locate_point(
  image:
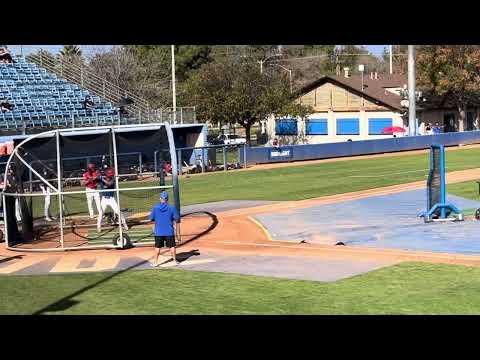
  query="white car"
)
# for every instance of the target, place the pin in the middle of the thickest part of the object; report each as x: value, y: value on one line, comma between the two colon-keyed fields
x: 232, y: 139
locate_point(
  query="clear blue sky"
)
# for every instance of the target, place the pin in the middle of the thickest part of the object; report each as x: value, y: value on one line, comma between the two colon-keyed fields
x: 87, y: 50
x: 27, y: 49
x: 376, y: 49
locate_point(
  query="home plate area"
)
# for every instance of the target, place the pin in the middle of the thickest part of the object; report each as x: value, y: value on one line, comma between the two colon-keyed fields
x: 291, y: 267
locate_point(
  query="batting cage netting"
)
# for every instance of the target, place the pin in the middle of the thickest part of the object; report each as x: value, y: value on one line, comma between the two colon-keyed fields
x: 437, y: 206
x: 434, y: 185
x: 87, y: 188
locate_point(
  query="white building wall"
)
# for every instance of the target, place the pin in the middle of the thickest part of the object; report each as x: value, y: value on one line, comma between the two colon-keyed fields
x: 332, y: 127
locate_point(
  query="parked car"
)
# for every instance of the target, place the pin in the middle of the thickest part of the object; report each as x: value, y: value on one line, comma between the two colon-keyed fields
x: 231, y: 139
x: 214, y: 140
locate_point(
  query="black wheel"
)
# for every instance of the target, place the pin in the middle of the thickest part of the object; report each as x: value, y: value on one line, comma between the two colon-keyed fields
x: 124, y: 242
x: 477, y: 214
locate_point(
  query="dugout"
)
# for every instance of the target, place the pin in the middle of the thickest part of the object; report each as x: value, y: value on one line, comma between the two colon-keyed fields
x: 191, y: 137
x: 45, y: 204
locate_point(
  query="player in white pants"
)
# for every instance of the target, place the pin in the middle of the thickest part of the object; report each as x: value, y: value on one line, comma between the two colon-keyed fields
x: 108, y: 199
x: 47, y: 200
x: 9, y: 185
x: 18, y: 214
x: 90, y: 181
x: 46, y: 209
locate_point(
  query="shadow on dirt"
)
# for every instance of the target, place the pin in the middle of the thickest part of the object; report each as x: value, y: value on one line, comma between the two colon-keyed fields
x: 10, y: 258
x: 212, y: 226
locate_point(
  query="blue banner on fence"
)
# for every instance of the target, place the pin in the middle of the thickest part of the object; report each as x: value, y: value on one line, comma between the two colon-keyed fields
x: 280, y: 153
x: 259, y: 155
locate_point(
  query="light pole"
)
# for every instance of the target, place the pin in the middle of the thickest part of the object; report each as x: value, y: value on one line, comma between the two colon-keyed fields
x: 391, y: 60
x: 174, y: 94
x: 361, y: 68
x: 289, y: 74
x: 405, y: 103
x: 411, y: 91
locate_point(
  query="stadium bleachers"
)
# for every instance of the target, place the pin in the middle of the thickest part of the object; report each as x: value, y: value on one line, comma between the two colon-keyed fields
x: 44, y: 101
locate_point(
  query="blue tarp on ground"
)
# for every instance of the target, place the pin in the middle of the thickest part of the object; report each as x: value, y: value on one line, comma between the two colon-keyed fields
x: 388, y: 221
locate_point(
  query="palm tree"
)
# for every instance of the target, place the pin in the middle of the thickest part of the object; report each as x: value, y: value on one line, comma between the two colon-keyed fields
x: 71, y: 51
x: 71, y: 54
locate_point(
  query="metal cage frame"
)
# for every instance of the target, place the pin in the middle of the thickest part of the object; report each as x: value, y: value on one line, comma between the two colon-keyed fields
x: 58, y: 189
x: 443, y: 208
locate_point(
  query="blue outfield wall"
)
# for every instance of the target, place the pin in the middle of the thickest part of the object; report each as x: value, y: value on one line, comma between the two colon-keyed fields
x: 261, y: 155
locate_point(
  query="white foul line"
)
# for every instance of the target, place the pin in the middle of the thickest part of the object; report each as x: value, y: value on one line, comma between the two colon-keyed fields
x: 392, y: 173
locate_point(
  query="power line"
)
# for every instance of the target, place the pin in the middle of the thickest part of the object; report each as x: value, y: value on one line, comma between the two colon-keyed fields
x: 314, y: 56
x: 332, y: 56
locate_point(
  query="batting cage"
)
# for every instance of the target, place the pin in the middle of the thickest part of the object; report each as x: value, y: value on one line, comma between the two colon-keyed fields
x: 437, y: 206
x: 88, y: 188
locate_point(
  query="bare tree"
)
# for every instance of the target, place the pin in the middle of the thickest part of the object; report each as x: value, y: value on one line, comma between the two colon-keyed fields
x: 117, y: 65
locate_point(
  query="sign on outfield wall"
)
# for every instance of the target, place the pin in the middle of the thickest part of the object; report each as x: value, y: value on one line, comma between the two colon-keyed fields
x: 263, y: 155
x: 281, y: 153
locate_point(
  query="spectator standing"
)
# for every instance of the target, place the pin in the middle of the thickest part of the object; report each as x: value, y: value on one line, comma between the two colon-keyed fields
x: 437, y: 129
x: 428, y: 129
x: 164, y: 216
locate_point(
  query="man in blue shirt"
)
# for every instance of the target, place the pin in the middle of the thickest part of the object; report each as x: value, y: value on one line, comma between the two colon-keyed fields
x: 437, y: 129
x: 164, y: 216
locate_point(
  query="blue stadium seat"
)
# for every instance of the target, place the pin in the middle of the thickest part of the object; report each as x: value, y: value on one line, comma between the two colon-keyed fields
x: 42, y: 99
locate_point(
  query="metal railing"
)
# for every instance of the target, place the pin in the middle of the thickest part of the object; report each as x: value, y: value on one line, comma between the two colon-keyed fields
x: 81, y: 75
x: 88, y: 80
x: 183, y: 115
x: 203, y: 164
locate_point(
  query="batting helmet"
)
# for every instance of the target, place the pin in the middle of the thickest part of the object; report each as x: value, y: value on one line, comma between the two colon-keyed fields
x: 110, y: 172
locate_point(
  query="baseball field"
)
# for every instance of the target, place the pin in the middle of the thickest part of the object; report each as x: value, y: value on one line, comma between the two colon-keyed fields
x: 402, y: 288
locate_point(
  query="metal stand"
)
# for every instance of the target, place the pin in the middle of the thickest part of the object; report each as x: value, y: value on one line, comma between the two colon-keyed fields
x: 441, y: 210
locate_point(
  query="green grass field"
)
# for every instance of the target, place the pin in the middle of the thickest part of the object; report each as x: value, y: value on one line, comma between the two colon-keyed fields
x: 408, y: 288
x: 303, y: 182
x: 467, y: 189
x: 288, y: 183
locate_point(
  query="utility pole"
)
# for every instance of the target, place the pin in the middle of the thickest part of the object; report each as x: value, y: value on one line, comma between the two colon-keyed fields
x: 265, y: 61
x: 291, y: 85
x: 361, y: 68
x: 412, y: 130
x: 174, y: 94
x: 391, y: 60
x: 289, y: 75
